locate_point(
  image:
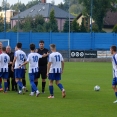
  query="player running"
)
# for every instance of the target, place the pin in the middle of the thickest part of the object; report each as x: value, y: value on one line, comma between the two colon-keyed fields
x: 54, y: 71
x: 113, y: 50
x: 33, y: 59
x: 4, y: 61
x: 19, y: 58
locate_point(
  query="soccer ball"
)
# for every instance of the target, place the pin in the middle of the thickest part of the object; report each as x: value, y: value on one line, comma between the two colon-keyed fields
x: 97, y: 88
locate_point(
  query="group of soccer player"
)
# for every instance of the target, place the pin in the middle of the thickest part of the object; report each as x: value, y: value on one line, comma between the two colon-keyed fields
x: 41, y: 63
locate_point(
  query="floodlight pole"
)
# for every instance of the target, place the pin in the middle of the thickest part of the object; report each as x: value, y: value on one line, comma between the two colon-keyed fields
x: 18, y: 24
x: 91, y: 23
x: 5, y: 18
x: 69, y: 35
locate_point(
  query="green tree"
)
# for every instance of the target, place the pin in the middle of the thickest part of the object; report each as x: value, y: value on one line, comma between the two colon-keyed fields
x: 27, y: 24
x: 82, y: 27
x: 75, y: 26
x: 18, y: 7
x: 66, y: 26
x: 53, y: 22
x: 32, y: 3
x: 115, y: 29
x: 1, y: 24
x: 100, y: 8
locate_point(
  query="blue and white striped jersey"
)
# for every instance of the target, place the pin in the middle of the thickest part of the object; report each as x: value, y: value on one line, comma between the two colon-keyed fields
x: 114, y: 64
x: 4, y: 60
x: 33, y: 59
x: 55, y: 58
x: 20, y: 58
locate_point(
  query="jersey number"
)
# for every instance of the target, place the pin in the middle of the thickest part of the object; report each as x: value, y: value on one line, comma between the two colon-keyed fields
x: 57, y: 58
x: 5, y: 59
x: 21, y: 57
x: 35, y: 58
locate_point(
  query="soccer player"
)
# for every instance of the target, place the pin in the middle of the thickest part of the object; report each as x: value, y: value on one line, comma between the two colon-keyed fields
x: 4, y: 60
x: 33, y: 59
x: 113, y: 50
x: 1, y: 89
x: 19, y: 58
x: 42, y: 65
x: 54, y: 71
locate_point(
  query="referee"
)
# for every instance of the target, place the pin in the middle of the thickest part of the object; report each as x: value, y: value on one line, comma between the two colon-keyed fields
x: 42, y: 65
x: 11, y: 74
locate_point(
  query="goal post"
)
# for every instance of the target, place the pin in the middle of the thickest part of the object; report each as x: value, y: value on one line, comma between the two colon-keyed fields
x: 5, y: 42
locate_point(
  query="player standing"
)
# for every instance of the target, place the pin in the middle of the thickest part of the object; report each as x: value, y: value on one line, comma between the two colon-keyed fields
x: 19, y: 58
x: 1, y: 89
x: 4, y: 60
x: 55, y: 68
x: 33, y: 59
x: 113, y: 50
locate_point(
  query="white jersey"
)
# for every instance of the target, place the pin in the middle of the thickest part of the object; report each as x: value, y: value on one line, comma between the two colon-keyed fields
x: 4, y: 60
x: 55, y: 58
x: 20, y: 58
x: 33, y: 59
x: 114, y: 64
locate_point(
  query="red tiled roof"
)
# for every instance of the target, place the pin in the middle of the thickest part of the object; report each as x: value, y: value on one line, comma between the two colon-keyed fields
x: 110, y: 19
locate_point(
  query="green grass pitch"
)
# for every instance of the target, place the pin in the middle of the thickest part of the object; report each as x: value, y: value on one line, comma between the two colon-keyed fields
x: 79, y: 80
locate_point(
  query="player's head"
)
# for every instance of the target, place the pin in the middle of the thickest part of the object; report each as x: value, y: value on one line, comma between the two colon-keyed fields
x: 32, y: 47
x: 52, y: 47
x: 113, y: 49
x: 1, y: 45
x: 3, y: 49
x: 19, y: 45
x: 8, y: 49
x: 41, y: 44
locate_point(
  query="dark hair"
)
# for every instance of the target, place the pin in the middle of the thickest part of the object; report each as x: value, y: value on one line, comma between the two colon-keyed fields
x: 53, y: 46
x: 4, y: 49
x: 32, y: 46
x: 114, y: 48
x: 41, y: 41
x: 19, y: 45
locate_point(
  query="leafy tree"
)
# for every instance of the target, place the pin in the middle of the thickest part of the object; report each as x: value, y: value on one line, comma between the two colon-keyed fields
x: 18, y: 7
x: 32, y: 3
x: 27, y: 23
x: 5, y: 4
x: 53, y: 22
x: 115, y: 29
x: 66, y: 26
x: 100, y: 8
x: 82, y: 27
x: 75, y: 26
x: 1, y: 24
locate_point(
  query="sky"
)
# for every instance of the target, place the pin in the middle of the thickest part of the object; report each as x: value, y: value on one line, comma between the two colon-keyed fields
x: 26, y: 1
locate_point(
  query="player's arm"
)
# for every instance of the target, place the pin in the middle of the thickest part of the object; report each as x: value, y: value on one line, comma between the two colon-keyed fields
x: 24, y: 64
x: 48, y: 67
x: 62, y: 62
x: 14, y: 60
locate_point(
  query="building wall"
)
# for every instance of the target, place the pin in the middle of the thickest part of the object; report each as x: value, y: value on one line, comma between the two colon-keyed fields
x: 108, y: 30
x: 9, y: 15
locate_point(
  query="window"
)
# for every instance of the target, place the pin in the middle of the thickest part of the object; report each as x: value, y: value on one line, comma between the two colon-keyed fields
x: 32, y: 10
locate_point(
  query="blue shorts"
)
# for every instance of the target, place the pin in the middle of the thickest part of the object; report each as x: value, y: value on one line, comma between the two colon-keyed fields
x: 33, y: 76
x: 114, y: 82
x: 54, y: 76
x: 4, y: 75
x: 19, y: 73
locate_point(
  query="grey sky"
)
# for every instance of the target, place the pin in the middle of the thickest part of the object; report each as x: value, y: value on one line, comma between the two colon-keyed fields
x: 26, y: 1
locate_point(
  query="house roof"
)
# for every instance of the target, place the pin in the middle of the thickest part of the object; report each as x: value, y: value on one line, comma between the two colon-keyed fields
x: 110, y: 19
x: 44, y: 9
